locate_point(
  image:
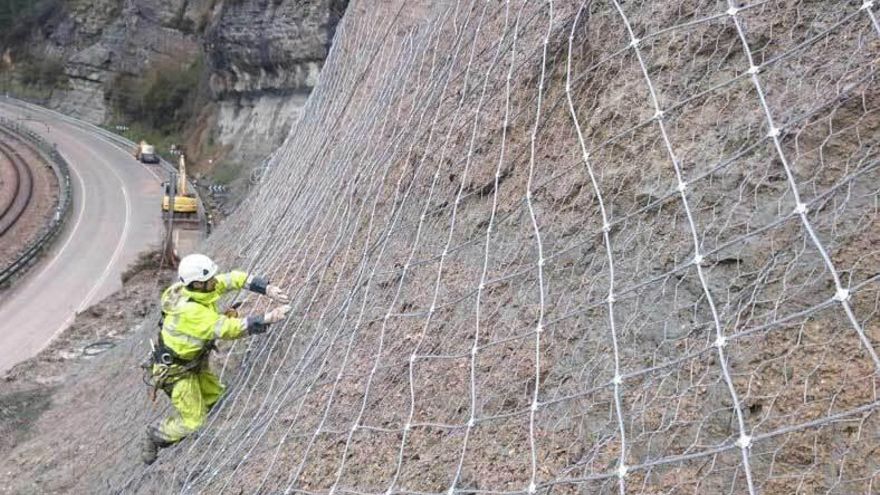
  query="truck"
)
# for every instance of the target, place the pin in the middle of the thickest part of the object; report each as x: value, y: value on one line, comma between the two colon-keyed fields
x: 146, y: 153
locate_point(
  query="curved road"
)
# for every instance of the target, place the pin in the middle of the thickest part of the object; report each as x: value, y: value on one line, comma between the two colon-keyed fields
x: 115, y: 215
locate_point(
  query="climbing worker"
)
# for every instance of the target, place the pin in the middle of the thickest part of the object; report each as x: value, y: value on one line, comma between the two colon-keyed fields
x: 191, y: 321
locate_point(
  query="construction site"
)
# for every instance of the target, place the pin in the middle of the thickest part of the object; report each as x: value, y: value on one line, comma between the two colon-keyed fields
x: 528, y: 247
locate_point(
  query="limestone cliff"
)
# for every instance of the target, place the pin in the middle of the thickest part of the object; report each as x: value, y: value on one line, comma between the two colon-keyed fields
x: 97, y: 40
x: 263, y: 58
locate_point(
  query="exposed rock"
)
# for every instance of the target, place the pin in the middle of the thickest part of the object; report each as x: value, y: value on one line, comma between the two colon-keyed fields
x: 257, y: 46
x: 264, y: 57
x: 256, y: 124
x: 98, y: 40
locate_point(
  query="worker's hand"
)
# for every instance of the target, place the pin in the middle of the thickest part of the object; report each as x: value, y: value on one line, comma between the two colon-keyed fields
x: 276, y: 314
x: 277, y: 294
x: 232, y: 311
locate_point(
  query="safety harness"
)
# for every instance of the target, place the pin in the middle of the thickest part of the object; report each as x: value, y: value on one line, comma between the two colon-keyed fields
x: 163, y: 366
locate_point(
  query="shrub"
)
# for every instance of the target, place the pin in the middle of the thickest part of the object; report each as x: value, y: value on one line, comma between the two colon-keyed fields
x: 164, y: 98
x: 46, y: 72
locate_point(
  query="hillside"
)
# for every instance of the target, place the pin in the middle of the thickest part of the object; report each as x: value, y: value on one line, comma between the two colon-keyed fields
x: 538, y: 247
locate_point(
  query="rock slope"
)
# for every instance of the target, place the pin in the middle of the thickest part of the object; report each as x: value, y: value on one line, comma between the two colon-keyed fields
x: 542, y: 247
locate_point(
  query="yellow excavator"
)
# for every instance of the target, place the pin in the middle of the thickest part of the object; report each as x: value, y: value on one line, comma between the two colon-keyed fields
x: 180, y: 212
x: 179, y: 199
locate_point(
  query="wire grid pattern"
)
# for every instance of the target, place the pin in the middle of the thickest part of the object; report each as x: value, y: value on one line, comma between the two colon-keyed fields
x: 564, y: 247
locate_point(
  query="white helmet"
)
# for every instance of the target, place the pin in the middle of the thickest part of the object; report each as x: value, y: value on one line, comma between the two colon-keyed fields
x: 196, y: 268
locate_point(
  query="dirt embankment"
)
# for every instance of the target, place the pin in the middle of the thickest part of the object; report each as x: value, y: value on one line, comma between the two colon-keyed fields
x: 41, y: 398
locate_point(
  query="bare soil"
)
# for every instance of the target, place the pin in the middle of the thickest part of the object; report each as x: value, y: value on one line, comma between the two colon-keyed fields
x: 40, y: 399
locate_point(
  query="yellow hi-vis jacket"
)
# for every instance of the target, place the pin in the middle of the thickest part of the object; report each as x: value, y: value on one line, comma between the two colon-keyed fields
x: 192, y: 319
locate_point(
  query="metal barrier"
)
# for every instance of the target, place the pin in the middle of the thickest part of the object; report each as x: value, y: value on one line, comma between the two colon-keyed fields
x: 62, y: 208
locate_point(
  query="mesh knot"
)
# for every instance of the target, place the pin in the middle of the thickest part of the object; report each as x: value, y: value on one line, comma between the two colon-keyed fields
x: 744, y: 442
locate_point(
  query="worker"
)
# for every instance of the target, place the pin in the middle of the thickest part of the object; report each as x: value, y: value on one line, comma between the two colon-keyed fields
x: 191, y: 321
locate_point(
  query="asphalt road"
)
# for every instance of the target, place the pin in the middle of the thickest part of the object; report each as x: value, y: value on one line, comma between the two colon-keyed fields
x: 115, y: 215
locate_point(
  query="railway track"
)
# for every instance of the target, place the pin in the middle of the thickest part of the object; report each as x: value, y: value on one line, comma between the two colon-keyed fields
x: 22, y: 184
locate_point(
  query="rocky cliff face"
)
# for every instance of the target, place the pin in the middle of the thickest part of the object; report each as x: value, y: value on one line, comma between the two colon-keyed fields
x: 264, y: 57
x: 101, y: 39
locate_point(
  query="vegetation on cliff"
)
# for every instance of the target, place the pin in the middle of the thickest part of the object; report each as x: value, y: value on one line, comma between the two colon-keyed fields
x: 18, y: 17
x: 23, y: 72
x: 162, y: 105
x: 163, y: 98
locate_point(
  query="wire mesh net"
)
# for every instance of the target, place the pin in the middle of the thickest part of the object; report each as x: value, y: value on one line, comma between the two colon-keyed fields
x: 565, y: 247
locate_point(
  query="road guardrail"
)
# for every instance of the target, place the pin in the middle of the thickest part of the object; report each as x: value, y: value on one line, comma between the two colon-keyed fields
x: 62, y: 208
x: 119, y: 141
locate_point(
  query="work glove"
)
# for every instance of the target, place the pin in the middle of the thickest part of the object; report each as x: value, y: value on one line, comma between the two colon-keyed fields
x: 277, y: 294
x: 255, y: 325
x: 276, y: 314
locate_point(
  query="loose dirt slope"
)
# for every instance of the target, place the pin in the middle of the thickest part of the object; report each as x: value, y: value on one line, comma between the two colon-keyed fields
x: 543, y: 247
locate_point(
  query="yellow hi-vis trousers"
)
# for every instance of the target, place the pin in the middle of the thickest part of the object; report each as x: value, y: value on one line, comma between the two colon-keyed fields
x: 192, y: 395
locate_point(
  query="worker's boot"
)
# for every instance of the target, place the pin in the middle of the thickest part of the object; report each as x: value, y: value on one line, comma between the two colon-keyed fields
x: 149, y: 450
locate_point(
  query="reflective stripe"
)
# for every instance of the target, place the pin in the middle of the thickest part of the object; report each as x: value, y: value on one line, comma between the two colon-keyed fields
x: 227, y: 279
x: 177, y: 334
x: 218, y: 327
